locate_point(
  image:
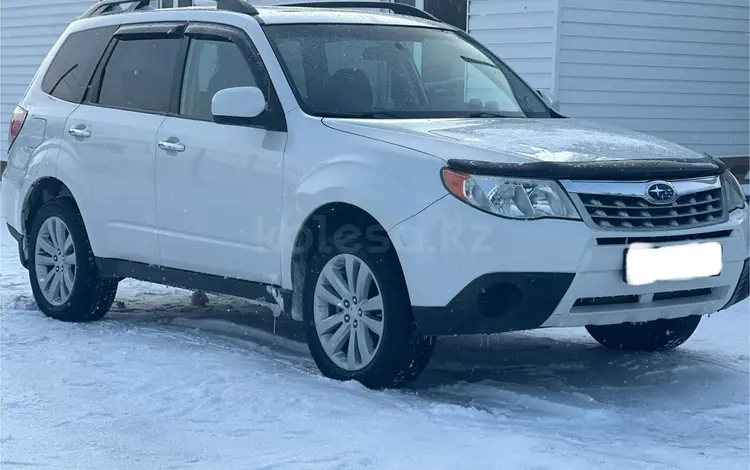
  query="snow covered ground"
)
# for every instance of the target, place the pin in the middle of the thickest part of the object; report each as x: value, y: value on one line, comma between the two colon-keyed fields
x: 162, y: 384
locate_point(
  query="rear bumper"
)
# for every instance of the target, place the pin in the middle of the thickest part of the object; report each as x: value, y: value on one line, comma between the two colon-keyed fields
x: 11, y: 196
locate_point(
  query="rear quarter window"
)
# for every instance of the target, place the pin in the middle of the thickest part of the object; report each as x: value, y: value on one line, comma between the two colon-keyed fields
x: 70, y: 71
x: 138, y: 75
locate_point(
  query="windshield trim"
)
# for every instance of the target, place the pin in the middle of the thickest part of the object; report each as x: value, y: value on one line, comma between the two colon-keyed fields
x: 514, y: 79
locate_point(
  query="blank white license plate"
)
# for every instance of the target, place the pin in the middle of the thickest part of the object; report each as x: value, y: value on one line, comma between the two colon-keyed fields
x: 645, y: 264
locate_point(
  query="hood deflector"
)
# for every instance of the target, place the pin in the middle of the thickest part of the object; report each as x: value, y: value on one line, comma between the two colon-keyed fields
x: 613, y: 170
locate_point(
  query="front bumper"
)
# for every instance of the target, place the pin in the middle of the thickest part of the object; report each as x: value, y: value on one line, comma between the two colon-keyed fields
x: 497, y: 302
x: 742, y: 291
x: 464, y: 270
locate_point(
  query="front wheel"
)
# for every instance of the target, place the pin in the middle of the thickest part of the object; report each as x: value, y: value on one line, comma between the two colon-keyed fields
x: 63, y: 274
x: 359, y: 320
x: 650, y: 336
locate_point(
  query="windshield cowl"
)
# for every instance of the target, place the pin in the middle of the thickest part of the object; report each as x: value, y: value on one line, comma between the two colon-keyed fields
x: 419, y: 115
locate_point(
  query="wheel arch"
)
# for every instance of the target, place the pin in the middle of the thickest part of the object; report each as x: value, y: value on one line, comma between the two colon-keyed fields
x: 322, y: 222
x: 41, y: 191
x: 64, y: 183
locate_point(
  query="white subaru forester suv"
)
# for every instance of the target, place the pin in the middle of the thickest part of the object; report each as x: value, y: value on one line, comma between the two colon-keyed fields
x: 381, y: 177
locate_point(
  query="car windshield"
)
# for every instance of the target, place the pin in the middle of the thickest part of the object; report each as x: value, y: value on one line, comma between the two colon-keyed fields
x: 379, y: 71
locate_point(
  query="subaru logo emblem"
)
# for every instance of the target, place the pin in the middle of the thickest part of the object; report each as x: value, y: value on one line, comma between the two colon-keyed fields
x: 661, y: 192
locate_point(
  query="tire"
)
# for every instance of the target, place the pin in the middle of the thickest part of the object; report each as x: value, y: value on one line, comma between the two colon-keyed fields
x: 657, y: 335
x: 400, y: 352
x: 89, y: 296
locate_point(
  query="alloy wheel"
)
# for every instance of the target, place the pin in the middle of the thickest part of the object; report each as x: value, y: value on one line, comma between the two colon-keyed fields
x: 348, y: 312
x: 55, y: 261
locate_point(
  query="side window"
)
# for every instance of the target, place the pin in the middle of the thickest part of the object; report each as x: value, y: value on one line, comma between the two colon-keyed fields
x: 212, y: 65
x: 70, y: 71
x: 139, y: 73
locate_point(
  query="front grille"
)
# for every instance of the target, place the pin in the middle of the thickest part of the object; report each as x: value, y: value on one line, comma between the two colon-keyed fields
x: 634, y: 212
x: 664, y: 238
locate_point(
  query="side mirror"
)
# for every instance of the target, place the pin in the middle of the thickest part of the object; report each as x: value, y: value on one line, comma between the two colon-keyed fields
x: 548, y: 98
x: 243, y: 102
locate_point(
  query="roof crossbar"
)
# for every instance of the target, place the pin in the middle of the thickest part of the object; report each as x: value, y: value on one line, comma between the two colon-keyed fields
x: 104, y: 7
x: 397, y: 8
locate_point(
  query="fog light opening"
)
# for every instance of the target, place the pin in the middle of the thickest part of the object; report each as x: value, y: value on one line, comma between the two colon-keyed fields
x: 499, y: 300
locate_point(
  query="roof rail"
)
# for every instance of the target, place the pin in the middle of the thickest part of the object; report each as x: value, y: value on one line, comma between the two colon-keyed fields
x: 108, y: 6
x: 237, y: 6
x: 397, y: 8
x: 105, y: 7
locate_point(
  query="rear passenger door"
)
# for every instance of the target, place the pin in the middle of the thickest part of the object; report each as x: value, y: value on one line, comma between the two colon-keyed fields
x: 218, y: 196
x: 113, y: 137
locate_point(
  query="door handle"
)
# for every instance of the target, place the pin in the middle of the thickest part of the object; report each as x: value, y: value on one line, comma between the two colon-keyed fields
x: 77, y: 132
x: 171, y: 146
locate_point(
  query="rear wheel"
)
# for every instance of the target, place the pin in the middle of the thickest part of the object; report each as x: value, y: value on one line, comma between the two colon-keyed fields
x: 63, y: 274
x: 657, y: 335
x: 358, y: 318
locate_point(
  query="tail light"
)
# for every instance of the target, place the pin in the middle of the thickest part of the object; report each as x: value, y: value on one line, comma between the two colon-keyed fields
x: 16, y: 123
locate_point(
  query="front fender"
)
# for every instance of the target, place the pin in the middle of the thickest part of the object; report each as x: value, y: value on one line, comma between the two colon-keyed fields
x: 389, y: 195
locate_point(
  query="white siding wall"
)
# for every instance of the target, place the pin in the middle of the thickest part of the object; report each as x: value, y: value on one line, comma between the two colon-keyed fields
x: 28, y: 29
x: 675, y: 69
x: 521, y: 32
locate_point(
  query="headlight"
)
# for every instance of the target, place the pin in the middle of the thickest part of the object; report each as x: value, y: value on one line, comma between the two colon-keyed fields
x: 733, y: 190
x: 515, y: 198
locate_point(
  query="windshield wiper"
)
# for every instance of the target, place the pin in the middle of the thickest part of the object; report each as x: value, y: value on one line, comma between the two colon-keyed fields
x: 481, y: 114
x: 363, y: 115
x: 478, y: 62
x: 397, y: 115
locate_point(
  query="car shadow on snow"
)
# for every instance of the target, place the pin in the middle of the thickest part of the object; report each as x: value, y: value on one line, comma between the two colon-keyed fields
x: 563, y: 367
x: 573, y: 376
x: 545, y: 372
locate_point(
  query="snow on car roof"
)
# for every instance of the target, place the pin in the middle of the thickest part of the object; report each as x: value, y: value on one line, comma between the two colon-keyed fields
x: 292, y: 14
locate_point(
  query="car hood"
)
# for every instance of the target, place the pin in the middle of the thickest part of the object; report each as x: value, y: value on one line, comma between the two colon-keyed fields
x: 504, y: 140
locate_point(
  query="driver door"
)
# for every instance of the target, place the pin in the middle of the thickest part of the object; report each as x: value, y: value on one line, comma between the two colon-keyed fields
x: 218, y: 186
